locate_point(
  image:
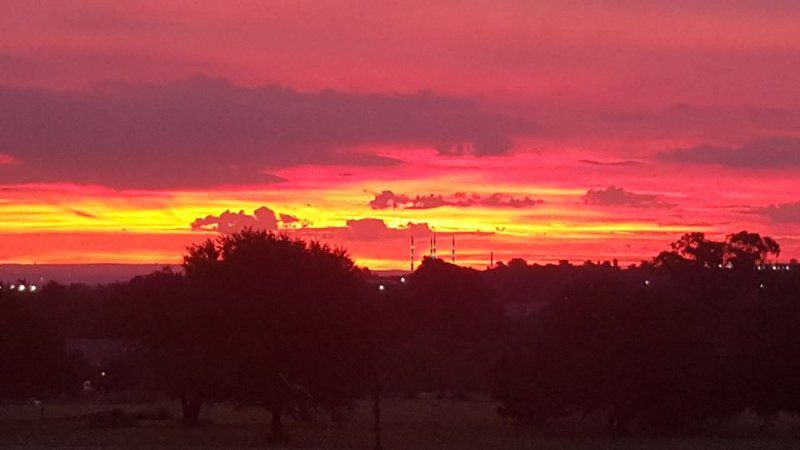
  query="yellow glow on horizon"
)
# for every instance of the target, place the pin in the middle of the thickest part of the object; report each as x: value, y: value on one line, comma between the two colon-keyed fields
x: 145, y: 215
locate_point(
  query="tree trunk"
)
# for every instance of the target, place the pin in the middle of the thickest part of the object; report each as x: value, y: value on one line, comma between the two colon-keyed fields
x: 276, y: 426
x: 376, y: 412
x: 617, y: 424
x: 191, y: 409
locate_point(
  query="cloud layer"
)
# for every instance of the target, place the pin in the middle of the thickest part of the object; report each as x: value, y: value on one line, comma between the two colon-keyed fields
x: 768, y: 153
x: 206, y: 132
x: 390, y: 200
x: 617, y: 196
x: 782, y: 213
x: 264, y: 218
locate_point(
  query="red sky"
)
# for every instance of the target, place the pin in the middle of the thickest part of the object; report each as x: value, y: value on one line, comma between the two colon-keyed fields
x: 538, y: 129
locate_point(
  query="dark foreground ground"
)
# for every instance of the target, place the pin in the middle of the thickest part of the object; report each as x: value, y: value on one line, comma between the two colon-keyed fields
x: 409, y: 424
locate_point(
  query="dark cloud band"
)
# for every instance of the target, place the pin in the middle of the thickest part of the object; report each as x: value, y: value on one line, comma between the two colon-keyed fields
x: 203, y: 132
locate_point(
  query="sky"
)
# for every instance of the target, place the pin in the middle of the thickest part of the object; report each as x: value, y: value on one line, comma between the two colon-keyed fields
x: 545, y: 130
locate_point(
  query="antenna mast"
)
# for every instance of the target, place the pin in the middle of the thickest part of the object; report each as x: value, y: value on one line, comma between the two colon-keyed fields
x: 412, y: 253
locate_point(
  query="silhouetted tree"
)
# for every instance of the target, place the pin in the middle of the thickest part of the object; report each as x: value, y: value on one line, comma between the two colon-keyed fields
x: 267, y: 312
x: 175, y: 320
x: 517, y: 263
x: 616, y: 345
x: 665, y: 345
x: 763, y: 344
x: 696, y: 248
x: 670, y: 260
x: 449, y: 324
x: 743, y: 250
x: 746, y: 250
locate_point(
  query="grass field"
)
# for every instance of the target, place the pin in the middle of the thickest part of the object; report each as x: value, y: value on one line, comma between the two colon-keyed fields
x: 408, y: 424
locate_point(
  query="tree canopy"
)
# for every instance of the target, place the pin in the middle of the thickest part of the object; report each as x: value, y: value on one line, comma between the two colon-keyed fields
x: 262, y: 317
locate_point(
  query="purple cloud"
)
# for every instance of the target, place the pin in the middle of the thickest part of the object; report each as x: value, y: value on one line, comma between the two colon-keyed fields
x: 205, y: 132
x: 262, y: 218
x: 768, y: 153
x: 616, y: 196
x: 390, y: 200
x: 783, y: 213
x: 592, y: 162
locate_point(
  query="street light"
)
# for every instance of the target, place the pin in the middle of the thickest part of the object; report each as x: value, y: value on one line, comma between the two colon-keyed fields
x: 21, y: 286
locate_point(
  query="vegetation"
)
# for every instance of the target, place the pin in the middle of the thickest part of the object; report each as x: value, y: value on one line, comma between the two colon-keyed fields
x: 409, y: 424
x: 701, y: 334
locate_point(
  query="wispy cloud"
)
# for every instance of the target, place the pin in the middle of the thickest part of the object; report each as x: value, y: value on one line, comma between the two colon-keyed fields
x: 593, y: 162
x: 390, y: 200
x: 770, y: 153
x: 782, y: 213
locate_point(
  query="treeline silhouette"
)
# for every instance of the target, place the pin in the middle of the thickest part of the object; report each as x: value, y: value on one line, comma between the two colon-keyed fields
x: 703, y: 331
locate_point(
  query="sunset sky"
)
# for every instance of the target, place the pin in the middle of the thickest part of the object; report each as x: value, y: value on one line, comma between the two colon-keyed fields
x: 545, y: 129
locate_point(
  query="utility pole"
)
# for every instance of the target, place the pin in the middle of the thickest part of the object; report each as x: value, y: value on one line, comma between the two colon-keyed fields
x: 376, y: 412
